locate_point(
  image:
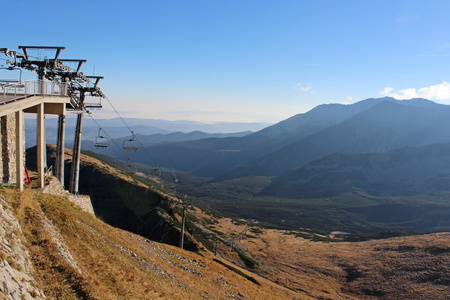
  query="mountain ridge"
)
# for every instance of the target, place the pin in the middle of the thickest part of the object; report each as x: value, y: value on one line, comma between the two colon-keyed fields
x: 404, y: 171
x: 51, y: 248
x: 347, y: 134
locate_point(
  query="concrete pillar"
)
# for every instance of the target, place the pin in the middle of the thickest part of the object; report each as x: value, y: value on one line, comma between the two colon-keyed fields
x: 20, y: 138
x: 75, y: 170
x: 41, y: 145
x: 59, y: 163
x: 8, y: 148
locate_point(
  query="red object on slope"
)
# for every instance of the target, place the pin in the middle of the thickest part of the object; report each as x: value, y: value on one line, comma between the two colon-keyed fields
x: 27, y: 178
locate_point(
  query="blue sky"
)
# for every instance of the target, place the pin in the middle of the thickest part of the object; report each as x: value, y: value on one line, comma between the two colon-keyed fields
x: 243, y: 60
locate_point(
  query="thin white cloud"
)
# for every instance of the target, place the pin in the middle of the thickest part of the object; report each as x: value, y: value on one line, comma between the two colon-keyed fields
x: 304, y: 89
x: 386, y: 91
x: 405, y: 94
x: 434, y: 92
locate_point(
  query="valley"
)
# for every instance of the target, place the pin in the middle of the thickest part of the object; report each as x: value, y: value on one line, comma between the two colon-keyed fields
x: 232, y: 258
x: 335, y: 167
x: 353, y: 224
x: 413, y: 267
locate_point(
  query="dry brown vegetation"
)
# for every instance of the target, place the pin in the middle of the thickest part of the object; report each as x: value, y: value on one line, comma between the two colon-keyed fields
x: 414, y: 267
x: 77, y: 256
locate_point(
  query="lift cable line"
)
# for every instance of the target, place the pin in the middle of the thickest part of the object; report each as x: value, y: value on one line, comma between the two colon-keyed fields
x: 116, y: 144
x: 106, y: 133
x: 135, y: 137
x: 64, y: 82
x: 72, y: 83
x: 109, y: 137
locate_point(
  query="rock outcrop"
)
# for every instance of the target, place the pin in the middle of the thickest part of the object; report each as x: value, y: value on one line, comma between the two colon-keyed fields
x: 16, y: 269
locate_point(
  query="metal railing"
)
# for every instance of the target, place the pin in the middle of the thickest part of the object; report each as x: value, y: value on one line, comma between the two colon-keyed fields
x: 10, y: 92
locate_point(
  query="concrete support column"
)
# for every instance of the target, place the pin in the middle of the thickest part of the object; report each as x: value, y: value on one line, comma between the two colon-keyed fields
x: 59, y: 164
x: 41, y: 145
x: 20, y: 161
x: 75, y: 170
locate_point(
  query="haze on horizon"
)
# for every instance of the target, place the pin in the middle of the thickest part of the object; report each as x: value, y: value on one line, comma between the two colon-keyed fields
x: 243, y: 61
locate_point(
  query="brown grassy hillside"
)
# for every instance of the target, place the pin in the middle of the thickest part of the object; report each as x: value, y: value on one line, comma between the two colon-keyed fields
x: 76, y: 256
x: 50, y: 246
x: 413, y: 267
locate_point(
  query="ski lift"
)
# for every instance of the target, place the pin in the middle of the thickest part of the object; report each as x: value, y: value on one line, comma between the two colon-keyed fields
x: 12, y: 68
x: 101, y: 141
x: 131, y: 144
x: 156, y: 169
x: 130, y: 167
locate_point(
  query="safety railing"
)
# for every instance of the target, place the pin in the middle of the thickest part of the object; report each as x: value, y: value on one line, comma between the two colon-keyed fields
x: 10, y: 92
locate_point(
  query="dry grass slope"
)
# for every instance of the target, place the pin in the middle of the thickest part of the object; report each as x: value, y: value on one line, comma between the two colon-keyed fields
x: 77, y: 256
x: 413, y: 267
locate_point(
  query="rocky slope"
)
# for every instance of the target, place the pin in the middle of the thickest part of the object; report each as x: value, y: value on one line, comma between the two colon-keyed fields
x: 415, y: 267
x: 51, y: 248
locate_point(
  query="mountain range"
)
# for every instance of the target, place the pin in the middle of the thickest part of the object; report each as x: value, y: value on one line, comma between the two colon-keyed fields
x: 404, y: 171
x: 369, y: 126
x: 376, y: 165
x: 116, y: 129
x: 53, y: 246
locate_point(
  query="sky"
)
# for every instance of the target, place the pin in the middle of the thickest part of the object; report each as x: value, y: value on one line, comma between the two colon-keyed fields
x: 242, y: 61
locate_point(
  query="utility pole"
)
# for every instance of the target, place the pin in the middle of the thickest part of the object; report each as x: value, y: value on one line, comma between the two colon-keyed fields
x: 183, y: 222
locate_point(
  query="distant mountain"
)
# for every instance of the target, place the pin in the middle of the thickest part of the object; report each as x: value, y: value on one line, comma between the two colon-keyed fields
x: 158, y: 139
x: 182, y: 137
x: 183, y: 126
x: 400, y: 172
x: 384, y: 126
x: 372, y: 125
x: 116, y: 129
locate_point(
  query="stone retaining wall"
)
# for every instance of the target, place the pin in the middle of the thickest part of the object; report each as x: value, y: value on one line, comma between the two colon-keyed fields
x: 83, y: 201
x: 8, y: 148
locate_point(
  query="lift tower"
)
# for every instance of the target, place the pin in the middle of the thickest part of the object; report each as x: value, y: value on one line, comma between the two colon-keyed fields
x: 80, y: 92
x: 72, y: 83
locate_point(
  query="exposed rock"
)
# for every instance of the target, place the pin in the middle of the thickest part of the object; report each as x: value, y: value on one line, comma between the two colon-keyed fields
x: 16, y: 269
x: 83, y: 201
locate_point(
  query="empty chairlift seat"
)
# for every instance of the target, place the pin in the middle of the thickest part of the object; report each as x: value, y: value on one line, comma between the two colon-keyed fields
x: 101, y: 141
x: 130, y: 144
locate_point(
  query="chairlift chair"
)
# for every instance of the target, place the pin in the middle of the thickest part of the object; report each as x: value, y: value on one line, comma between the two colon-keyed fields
x: 131, y: 170
x: 130, y: 144
x: 13, y: 81
x: 101, y: 141
x: 156, y: 169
